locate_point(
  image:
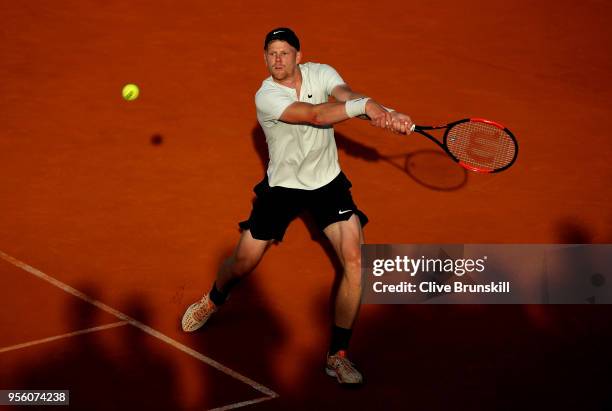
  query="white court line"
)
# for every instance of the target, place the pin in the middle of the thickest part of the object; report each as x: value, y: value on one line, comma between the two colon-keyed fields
x: 59, y: 337
x: 255, y: 385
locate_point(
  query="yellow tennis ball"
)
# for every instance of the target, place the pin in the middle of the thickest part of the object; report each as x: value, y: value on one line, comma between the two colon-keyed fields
x: 130, y: 92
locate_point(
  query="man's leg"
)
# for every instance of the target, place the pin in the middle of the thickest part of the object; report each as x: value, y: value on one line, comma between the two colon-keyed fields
x: 346, y: 238
x: 243, y: 261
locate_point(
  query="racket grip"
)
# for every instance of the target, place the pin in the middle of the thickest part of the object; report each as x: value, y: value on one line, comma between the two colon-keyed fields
x: 412, y: 127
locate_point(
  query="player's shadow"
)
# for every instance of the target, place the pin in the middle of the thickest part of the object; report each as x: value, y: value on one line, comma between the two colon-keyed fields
x: 261, y: 146
x: 429, y: 168
x: 105, y: 369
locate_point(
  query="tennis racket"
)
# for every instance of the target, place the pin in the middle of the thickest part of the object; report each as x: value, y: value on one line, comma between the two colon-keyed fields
x: 479, y: 145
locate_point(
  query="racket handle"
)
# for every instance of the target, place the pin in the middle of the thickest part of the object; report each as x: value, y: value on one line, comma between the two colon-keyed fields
x: 412, y: 127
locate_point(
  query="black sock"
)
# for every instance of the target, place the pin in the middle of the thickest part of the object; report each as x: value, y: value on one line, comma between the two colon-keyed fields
x: 216, y: 296
x: 340, y: 339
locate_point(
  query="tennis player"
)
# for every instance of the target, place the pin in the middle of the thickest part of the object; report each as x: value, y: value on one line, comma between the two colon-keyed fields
x: 304, y: 175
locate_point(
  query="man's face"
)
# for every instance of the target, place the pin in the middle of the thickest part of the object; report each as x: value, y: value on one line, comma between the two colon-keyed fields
x: 281, y: 59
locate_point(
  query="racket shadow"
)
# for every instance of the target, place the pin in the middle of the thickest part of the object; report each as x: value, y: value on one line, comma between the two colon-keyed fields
x: 429, y: 168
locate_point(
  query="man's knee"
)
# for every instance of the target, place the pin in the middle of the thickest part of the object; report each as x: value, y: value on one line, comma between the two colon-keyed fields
x: 352, y: 263
x: 352, y: 257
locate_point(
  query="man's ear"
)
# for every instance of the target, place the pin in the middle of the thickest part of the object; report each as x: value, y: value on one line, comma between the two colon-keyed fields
x: 298, y: 57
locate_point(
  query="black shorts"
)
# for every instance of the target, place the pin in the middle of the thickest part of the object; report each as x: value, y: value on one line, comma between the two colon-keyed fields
x: 275, y: 207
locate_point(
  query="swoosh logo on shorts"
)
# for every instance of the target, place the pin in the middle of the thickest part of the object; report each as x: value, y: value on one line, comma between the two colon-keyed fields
x: 344, y: 211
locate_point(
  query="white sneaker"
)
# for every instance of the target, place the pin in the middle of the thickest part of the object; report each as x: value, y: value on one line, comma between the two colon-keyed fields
x: 197, y: 314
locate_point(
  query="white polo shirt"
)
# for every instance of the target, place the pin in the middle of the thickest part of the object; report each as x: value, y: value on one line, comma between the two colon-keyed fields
x: 301, y: 156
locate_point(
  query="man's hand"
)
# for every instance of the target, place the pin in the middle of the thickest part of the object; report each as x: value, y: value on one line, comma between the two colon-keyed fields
x: 400, y: 123
x: 379, y: 116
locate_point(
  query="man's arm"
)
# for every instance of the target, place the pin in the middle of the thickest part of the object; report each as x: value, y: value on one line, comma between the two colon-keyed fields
x: 325, y: 114
x: 376, y: 113
x: 344, y: 93
x: 379, y: 116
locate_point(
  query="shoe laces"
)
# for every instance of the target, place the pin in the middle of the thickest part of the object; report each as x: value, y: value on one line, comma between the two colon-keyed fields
x: 342, y: 363
x: 205, y: 308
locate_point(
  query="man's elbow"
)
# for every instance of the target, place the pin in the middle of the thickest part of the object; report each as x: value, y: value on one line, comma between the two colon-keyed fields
x: 307, y: 114
x: 319, y: 120
x: 320, y: 117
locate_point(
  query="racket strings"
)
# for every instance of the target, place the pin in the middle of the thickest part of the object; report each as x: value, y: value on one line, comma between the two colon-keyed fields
x: 481, y: 146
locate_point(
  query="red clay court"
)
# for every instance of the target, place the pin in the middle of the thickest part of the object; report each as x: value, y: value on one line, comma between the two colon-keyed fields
x: 105, y: 238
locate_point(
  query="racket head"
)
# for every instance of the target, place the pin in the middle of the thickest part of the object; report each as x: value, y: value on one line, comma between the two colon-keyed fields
x: 481, y: 145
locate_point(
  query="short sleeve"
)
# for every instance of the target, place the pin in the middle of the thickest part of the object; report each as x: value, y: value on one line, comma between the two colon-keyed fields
x: 271, y: 103
x: 329, y: 78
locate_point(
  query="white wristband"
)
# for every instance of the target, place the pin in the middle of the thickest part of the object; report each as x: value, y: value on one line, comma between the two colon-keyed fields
x: 356, y: 107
